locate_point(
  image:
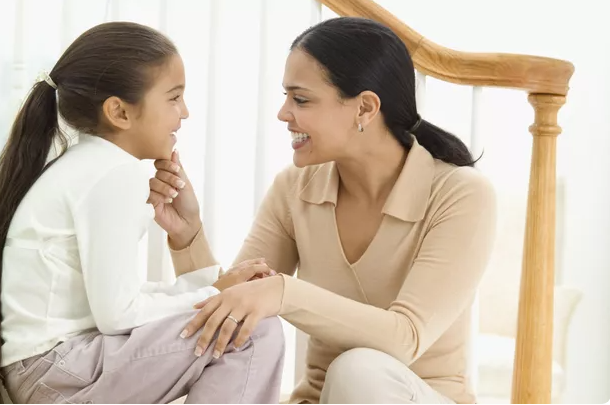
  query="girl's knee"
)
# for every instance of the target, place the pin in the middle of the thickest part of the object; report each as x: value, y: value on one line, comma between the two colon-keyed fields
x: 269, y: 333
x: 269, y: 327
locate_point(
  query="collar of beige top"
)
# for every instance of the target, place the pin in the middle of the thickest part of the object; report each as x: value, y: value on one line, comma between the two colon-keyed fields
x: 408, y: 199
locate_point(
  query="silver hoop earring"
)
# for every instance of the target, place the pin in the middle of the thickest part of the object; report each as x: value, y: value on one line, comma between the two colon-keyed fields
x: 360, y: 128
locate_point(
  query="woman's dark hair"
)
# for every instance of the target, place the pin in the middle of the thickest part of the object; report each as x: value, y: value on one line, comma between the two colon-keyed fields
x: 359, y: 54
x: 111, y: 59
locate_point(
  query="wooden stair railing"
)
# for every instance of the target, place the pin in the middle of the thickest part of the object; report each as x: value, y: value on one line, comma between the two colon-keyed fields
x: 546, y: 82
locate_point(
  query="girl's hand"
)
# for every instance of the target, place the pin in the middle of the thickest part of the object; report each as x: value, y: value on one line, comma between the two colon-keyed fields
x: 244, y: 304
x: 245, y: 271
x: 175, y: 203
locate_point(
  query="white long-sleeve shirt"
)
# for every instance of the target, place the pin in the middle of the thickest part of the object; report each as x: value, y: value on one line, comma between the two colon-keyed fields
x: 71, y: 258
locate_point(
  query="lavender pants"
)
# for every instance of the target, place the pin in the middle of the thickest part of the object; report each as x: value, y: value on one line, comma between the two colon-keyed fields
x: 151, y: 365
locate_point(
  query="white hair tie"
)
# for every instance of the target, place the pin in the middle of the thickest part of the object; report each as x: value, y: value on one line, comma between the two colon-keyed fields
x: 44, y: 76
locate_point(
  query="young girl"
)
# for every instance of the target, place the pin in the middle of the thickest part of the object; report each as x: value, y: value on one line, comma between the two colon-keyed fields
x: 80, y: 324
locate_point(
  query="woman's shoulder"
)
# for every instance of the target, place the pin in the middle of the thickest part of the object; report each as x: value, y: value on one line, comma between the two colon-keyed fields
x: 465, y: 183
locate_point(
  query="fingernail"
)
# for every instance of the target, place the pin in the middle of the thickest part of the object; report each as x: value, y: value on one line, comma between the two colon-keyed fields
x: 184, y: 334
x: 170, y: 200
x: 174, y: 193
x: 176, y: 168
x: 272, y: 272
x: 198, y: 351
x: 216, y: 354
x: 180, y: 184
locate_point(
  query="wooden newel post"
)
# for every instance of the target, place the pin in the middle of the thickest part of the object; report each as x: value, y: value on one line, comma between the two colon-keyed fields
x: 534, y: 346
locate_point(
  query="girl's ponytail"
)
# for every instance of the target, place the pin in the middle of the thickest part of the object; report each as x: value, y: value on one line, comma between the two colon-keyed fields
x: 24, y: 156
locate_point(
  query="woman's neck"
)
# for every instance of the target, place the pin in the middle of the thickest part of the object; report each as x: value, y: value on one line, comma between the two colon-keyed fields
x: 369, y: 173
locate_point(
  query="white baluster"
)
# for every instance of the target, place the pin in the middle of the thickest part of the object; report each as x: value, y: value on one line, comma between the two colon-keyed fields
x: 316, y: 12
x: 163, y: 16
x: 66, y: 23
x: 116, y: 10
x: 476, y: 133
x: 209, y: 186
x: 420, y: 92
x: 476, y: 146
x: 19, y: 82
x: 112, y: 10
x: 263, y: 111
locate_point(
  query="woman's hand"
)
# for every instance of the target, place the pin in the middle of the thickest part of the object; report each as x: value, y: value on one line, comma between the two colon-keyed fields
x: 245, y: 271
x: 175, y: 203
x: 244, y: 304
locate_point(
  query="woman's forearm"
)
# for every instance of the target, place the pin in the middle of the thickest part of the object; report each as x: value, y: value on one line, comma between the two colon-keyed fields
x: 346, y: 323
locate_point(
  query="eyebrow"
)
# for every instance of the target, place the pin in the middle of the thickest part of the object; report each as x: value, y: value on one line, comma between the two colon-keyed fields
x: 178, y: 87
x: 293, y: 88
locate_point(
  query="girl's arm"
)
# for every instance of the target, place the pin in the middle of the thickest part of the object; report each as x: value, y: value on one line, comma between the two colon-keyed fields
x: 110, y: 222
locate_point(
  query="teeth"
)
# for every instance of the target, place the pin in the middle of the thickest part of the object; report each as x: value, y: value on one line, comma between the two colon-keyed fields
x: 299, y: 136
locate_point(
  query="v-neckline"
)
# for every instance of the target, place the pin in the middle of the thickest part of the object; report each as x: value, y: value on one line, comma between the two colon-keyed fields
x: 340, y: 243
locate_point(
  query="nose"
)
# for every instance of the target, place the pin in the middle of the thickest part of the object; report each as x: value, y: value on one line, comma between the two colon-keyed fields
x: 184, y: 111
x: 284, y: 114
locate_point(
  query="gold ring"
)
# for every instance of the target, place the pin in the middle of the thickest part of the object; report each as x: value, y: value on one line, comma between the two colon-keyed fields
x: 233, y: 319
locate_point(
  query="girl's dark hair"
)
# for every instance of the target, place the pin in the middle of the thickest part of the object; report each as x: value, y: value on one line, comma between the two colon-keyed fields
x: 359, y: 54
x: 111, y: 59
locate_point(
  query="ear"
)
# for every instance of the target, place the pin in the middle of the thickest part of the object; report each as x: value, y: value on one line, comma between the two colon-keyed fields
x: 117, y: 113
x: 368, y: 108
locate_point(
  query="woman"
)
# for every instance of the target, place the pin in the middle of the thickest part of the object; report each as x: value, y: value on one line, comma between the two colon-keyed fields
x: 80, y: 322
x: 388, y: 222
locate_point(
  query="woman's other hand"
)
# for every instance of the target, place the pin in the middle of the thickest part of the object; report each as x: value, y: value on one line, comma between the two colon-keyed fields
x: 242, y: 305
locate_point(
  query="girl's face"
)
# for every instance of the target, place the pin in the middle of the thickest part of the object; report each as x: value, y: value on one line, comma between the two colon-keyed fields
x: 162, y: 111
x: 148, y: 130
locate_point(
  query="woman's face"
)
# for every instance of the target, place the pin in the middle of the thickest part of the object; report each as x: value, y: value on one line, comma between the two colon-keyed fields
x: 320, y: 122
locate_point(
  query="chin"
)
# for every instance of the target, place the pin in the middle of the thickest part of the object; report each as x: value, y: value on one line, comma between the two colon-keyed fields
x: 167, y: 155
x: 165, y: 152
x: 300, y: 161
x: 304, y: 161
x: 160, y: 153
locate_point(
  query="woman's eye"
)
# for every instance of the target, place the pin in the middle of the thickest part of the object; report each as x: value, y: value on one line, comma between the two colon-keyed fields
x: 296, y: 99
